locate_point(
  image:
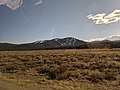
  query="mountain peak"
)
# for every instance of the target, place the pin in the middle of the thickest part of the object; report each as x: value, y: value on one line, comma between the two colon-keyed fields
x: 68, y: 41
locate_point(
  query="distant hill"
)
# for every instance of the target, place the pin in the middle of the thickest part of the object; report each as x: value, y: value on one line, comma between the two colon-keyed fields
x: 104, y: 44
x: 57, y: 43
x: 64, y: 43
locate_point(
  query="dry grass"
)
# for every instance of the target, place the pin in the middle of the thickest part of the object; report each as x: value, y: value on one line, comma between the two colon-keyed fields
x: 62, y: 69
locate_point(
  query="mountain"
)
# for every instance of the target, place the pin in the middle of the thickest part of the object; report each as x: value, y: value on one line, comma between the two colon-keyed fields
x: 68, y: 42
x: 58, y: 43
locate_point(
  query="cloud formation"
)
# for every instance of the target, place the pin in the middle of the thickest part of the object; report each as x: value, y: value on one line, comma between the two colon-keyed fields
x: 105, y: 18
x: 111, y: 38
x: 12, y: 4
x: 15, y: 4
x: 39, y: 2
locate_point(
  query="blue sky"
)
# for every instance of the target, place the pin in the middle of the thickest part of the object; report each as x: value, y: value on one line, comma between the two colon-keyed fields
x: 56, y: 19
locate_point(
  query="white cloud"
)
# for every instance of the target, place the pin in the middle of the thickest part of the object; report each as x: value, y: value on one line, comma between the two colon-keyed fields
x: 111, y: 38
x: 105, y: 18
x: 15, y: 4
x: 39, y: 2
x: 12, y: 4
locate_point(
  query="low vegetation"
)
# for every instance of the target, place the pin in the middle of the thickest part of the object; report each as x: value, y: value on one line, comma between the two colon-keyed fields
x: 85, y: 69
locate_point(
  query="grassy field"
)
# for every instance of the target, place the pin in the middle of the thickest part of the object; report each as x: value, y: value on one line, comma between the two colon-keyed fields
x: 60, y: 70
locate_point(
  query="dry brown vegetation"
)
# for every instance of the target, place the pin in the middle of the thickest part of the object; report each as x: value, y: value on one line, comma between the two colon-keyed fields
x: 62, y: 69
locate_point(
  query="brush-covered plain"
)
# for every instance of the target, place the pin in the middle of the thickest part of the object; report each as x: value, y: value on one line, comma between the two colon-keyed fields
x: 60, y: 69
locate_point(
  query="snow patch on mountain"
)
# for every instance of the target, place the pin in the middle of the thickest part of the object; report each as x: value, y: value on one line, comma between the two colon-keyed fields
x: 39, y: 42
x: 66, y: 41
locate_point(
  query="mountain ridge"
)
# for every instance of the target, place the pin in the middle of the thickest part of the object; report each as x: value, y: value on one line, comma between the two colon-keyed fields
x: 60, y: 43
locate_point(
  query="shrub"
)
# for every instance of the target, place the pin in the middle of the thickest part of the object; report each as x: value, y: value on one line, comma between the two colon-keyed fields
x: 95, y: 77
x: 11, y: 69
x: 110, y: 74
x: 58, y: 73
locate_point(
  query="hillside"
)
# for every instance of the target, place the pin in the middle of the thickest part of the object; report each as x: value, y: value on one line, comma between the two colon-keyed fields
x: 64, y: 43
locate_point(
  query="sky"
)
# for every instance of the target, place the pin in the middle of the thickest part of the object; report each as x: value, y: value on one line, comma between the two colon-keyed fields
x: 24, y: 21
